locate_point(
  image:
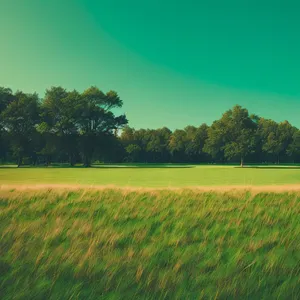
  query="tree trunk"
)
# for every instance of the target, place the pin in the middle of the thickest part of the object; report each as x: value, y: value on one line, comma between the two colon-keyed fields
x: 48, y: 159
x: 19, y: 161
x: 71, y: 161
x: 87, y: 162
x: 242, y: 162
x: 34, y: 160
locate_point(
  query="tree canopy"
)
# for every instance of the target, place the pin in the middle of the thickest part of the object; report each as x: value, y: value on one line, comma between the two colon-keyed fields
x: 82, y: 127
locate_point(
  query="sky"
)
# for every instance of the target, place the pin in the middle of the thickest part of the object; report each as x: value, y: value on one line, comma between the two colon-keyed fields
x: 174, y: 63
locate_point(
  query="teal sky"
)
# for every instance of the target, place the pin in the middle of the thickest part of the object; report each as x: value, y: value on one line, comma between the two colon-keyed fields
x: 174, y: 63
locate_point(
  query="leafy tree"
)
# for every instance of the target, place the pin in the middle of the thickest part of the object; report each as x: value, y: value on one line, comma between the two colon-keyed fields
x: 97, y: 121
x: 293, y: 149
x: 67, y: 127
x: 195, y: 141
x: 215, y: 142
x: 286, y: 132
x: 52, y: 126
x: 177, y: 145
x: 200, y: 140
x: 69, y: 124
x: 141, y: 138
x: 49, y: 143
x: 127, y: 136
x: 133, y: 152
x: 276, y: 137
x: 191, y: 147
x: 157, y: 144
x: 6, y: 97
x: 240, y: 133
x: 20, y: 118
x: 111, y: 151
x: 233, y: 134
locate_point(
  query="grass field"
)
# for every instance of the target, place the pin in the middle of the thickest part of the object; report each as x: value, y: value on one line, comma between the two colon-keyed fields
x: 154, y: 175
x: 120, y: 244
x: 61, y: 237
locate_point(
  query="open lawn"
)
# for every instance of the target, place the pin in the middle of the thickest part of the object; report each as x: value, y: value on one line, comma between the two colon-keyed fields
x: 154, y: 175
x: 120, y: 244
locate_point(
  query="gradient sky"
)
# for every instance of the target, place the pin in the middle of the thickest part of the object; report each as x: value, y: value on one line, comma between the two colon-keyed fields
x: 174, y: 63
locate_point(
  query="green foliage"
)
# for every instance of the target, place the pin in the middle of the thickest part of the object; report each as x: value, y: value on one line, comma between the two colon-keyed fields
x: 214, y: 144
x: 20, y: 118
x: 6, y: 97
x: 196, y: 138
x: 64, y: 125
x: 294, y: 147
x: 276, y: 137
x: 116, y: 244
x: 177, y: 142
x: 96, y: 120
x: 133, y: 152
x: 68, y: 126
x: 234, y: 133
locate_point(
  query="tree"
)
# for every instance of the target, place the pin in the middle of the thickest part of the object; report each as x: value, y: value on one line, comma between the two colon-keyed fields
x: 97, y: 121
x: 293, y: 150
x: 240, y: 132
x: 191, y: 148
x: 286, y: 132
x: 49, y: 143
x: 215, y: 142
x: 54, y: 124
x: 195, y: 141
x: 133, y: 152
x: 177, y: 145
x: 127, y: 136
x: 233, y: 134
x: 20, y: 118
x: 141, y: 138
x: 68, y: 126
x: 111, y: 151
x: 276, y: 137
x: 200, y: 140
x: 6, y: 97
x: 157, y: 144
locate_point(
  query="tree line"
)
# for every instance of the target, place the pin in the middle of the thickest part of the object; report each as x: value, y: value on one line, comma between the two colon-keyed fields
x: 73, y: 127
x: 65, y: 126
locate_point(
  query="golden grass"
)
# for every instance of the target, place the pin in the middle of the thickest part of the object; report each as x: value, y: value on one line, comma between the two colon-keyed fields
x: 220, y: 188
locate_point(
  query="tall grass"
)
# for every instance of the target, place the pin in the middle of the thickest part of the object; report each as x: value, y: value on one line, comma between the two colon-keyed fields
x: 118, y: 244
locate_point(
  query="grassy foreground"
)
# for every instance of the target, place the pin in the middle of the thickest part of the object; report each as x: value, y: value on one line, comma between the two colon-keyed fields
x: 149, y: 245
x: 160, y: 175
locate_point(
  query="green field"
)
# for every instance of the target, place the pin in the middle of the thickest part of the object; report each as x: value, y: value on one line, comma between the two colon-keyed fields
x: 140, y: 175
x: 71, y: 241
x: 115, y: 244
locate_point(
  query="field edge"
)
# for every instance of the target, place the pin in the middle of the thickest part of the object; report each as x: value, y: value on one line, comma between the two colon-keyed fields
x: 220, y: 188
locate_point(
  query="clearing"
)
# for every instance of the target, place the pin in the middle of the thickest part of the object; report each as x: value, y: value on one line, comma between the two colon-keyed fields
x: 153, y: 176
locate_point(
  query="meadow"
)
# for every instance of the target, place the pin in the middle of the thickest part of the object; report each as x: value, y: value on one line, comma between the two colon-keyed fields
x: 66, y: 233
x: 153, y: 175
x: 126, y: 244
